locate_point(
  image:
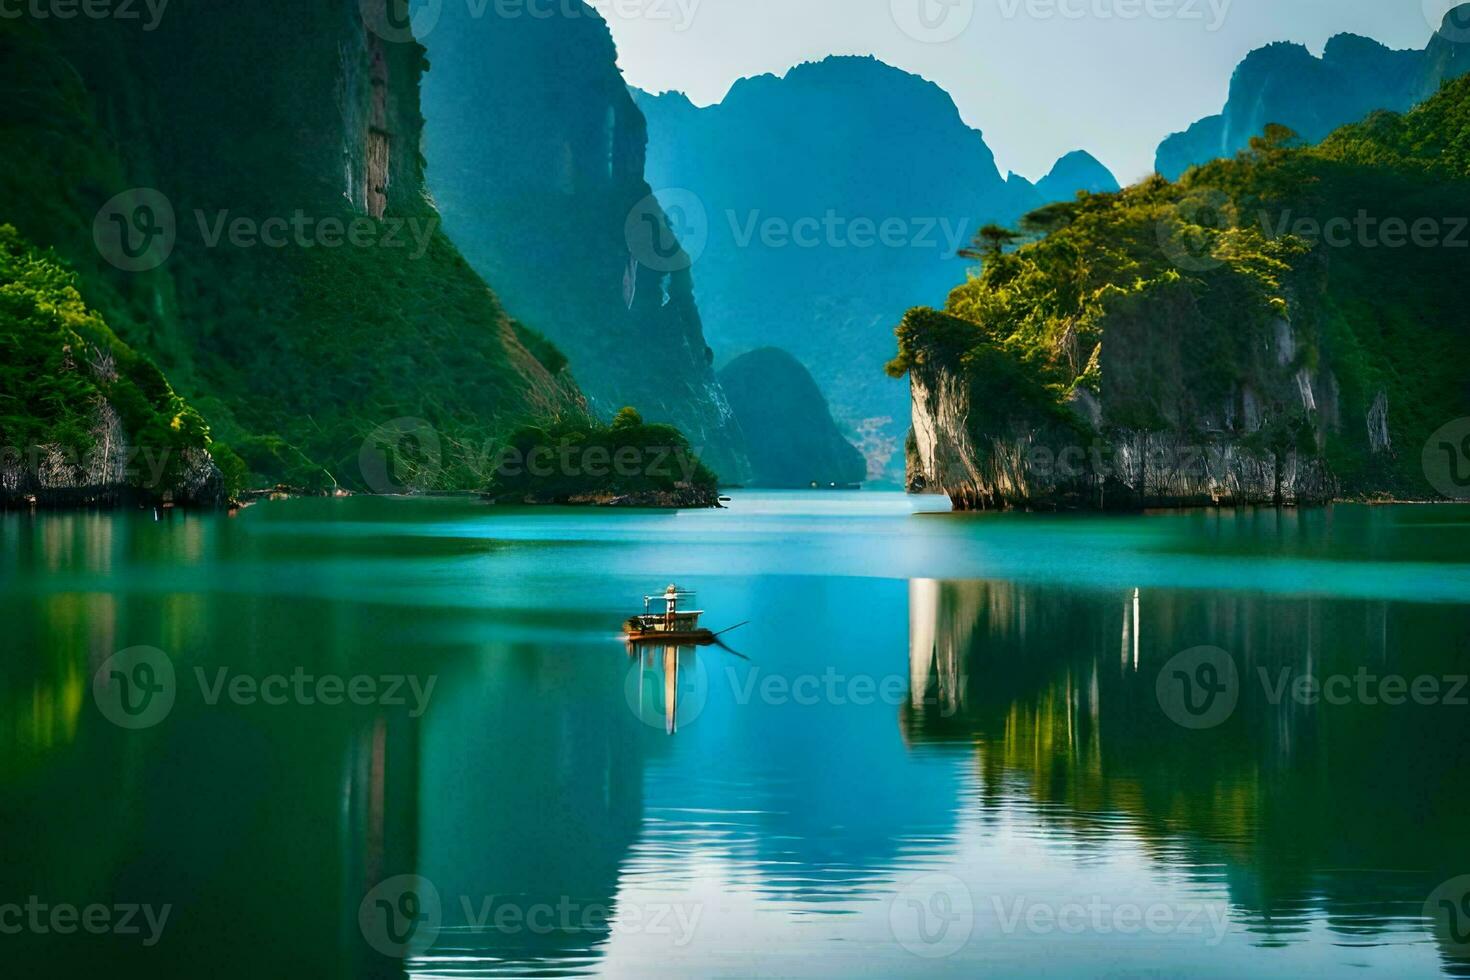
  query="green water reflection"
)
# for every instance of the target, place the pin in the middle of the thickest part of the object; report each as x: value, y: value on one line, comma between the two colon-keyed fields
x: 932, y: 706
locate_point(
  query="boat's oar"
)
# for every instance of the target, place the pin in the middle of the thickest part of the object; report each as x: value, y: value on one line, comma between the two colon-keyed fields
x: 729, y: 649
x: 733, y: 628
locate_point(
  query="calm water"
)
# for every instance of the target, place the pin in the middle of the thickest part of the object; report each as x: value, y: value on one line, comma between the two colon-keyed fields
x: 959, y: 746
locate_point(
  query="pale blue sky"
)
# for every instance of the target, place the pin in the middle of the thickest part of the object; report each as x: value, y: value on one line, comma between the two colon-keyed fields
x: 1036, y: 82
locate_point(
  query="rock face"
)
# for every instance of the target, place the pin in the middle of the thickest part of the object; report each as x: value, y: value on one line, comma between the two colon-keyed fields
x: 84, y: 420
x: 299, y: 291
x: 1284, y: 83
x: 536, y: 159
x: 1172, y: 345
x: 114, y: 471
x: 793, y: 440
x: 828, y: 200
x: 1209, y: 454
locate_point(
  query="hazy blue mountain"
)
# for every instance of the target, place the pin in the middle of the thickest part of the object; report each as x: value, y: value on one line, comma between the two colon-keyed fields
x: 1077, y: 171
x: 825, y: 200
x: 1285, y: 83
x: 793, y: 440
x: 1074, y: 172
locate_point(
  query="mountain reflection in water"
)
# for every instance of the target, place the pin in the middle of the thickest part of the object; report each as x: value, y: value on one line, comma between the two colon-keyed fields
x: 1339, y: 813
x: 978, y: 746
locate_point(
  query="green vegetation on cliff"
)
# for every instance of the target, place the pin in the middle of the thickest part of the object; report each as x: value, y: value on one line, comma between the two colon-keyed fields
x: 1305, y: 298
x: 294, y: 345
x: 584, y: 461
x: 67, y: 384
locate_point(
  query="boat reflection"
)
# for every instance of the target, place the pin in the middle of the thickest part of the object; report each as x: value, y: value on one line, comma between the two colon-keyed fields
x: 664, y: 675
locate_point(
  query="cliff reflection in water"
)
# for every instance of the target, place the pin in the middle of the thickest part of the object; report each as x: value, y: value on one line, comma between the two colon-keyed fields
x: 1343, y: 815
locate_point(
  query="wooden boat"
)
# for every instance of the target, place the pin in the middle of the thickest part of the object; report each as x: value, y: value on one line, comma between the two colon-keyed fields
x: 669, y: 626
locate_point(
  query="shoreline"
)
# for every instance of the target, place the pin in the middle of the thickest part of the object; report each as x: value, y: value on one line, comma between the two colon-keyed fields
x: 694, y: 499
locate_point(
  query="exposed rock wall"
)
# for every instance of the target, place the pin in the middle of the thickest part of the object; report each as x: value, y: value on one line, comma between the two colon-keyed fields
x: 1245, y: 445
x: 1034, y: 468
x: 536, y: 160
x: 341, y: 306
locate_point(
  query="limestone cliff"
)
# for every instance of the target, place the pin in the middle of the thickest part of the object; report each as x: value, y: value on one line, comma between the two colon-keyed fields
x: 84, y: 419
x: 240, y: 190
x: 536, y: 159
x: 1249, y: 335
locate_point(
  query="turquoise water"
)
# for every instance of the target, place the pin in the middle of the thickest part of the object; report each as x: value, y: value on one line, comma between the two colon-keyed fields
x: 943, y: 745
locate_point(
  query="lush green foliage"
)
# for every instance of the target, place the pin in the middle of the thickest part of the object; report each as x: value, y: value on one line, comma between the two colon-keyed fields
x: 580, y: 458
x: 60, y: 362
x: 1226, y: 256
x: 293, y: 354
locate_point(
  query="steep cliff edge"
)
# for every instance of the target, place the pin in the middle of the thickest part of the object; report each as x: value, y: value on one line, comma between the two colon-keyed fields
x: 542, y: 186
x: 1286, y: 84
x: 1252, y: 334
x: 83, y: 418
x: 793, y: 440
x: 240, y: 191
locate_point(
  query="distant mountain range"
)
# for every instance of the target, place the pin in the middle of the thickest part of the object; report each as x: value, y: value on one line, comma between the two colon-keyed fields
x: 818, y: 204
x: 1285, y: 83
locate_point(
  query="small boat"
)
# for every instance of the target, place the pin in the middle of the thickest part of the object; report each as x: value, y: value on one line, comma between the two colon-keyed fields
x: 669, y: 625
